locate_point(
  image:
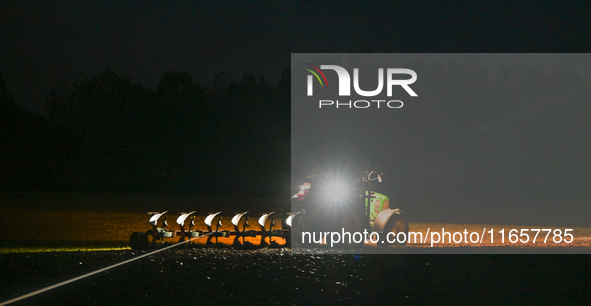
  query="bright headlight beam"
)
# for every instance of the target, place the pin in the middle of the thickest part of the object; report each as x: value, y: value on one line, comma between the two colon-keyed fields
x: 336, y: 190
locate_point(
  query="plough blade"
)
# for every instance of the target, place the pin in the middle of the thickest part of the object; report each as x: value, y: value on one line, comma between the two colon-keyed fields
x: 210, y: 217
x: 155, y: 216
x: 291, y: 217
x: 181, y: 219
x: 263, y: 219
x: 237, y: 217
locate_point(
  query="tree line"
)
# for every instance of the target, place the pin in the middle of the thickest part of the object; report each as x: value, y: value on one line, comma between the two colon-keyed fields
x: 107, y: 134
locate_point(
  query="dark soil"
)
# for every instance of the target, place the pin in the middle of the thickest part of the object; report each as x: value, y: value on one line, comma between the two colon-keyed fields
x: 275, y: 276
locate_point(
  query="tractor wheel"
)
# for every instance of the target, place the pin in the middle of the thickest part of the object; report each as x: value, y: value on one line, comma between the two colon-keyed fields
x: 352, y: 224
x: 151, y: 237
x: 138, y: 241
x: 395, y: 225
x: 301, y: 224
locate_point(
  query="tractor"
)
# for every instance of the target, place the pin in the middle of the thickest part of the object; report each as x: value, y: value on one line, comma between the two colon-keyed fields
x: 338, y: 202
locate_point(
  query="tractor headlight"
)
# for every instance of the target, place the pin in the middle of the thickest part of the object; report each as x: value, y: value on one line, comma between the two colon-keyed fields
x: 338, y: 190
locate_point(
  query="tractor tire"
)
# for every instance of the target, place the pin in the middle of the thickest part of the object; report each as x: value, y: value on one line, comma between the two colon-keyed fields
x: 138, y: 241
x: 302, y: 223
x: 151, y: 238
x: 395, y: 225
x: 352, y: 223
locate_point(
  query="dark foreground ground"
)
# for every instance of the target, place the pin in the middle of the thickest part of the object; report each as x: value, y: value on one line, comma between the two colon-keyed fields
x: 260, y: 277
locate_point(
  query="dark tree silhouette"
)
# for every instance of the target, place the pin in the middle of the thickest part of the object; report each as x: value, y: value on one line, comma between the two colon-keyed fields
x: 23, y: 145
x: 228, y: 138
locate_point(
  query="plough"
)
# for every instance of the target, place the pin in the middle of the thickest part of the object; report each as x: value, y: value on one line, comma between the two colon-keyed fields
x: 213, y: 222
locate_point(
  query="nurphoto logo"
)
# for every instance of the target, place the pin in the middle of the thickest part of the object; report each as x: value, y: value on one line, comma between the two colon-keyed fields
x: 344, y: 85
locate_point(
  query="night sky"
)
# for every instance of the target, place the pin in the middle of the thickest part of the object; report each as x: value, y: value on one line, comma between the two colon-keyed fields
x: 51, y: 43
